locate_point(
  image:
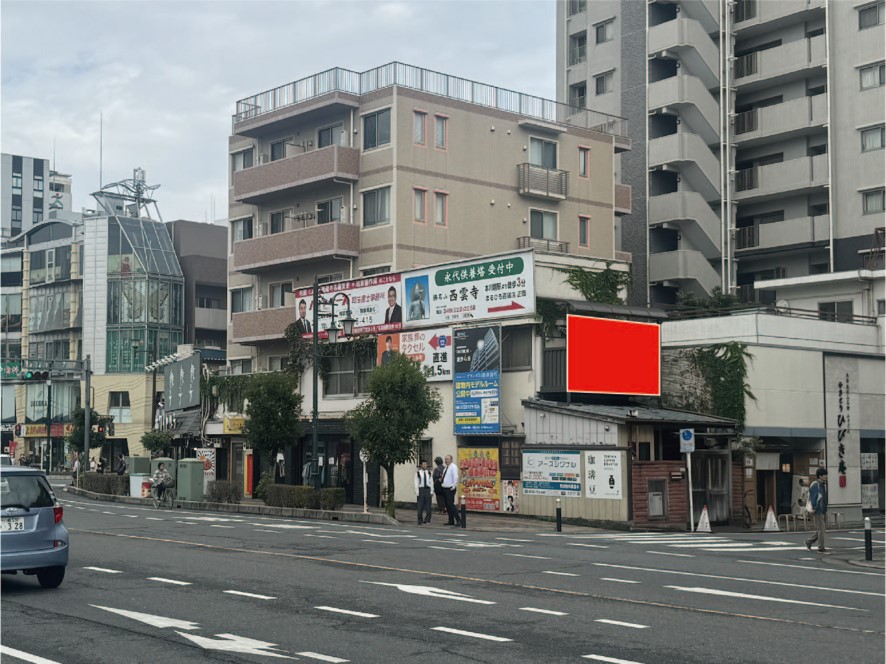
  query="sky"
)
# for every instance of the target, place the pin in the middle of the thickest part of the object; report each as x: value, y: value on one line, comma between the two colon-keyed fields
x: 164, y: 76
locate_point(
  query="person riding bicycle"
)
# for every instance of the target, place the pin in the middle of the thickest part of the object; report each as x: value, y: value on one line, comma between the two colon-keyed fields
x: 160, y: 480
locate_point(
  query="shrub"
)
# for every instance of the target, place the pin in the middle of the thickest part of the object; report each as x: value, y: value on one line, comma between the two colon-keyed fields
x: 332, y: 499
x: 110, y: 484
x: 287, y: 495
x: 222, y: 491
x: 261, y: 490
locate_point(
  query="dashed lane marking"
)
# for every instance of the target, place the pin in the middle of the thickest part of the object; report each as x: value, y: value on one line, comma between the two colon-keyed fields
x: 446, y: 548
x: 762, y: 598
x: 545, y: 611
x: 322, y: 658
x: 524, y: 555
x: 215, y: 525
x: 591, y: 546
x: 104, y: 570
x: 173, y: 582
x: 24, y: 656
x: 666, y: 553
x: 606, y: 578
x: 358, y: 614
x: 560, y: 573
x: 377, y: 541
x: 513, y: 539
x: 321, y: 536
x: 807, y: 568
x: 619, y: 623
x: 154, y: 518
x: 475, y: 635
x: 611, y: 660
x: 243, y: 594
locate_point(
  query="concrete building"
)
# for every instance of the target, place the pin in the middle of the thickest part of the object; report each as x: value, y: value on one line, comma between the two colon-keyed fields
x: 22, y: 193
x: 763, y: 127
x: 59, y: 196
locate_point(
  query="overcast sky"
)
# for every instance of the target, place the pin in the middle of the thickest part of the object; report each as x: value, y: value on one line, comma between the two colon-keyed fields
x: 166, y: 74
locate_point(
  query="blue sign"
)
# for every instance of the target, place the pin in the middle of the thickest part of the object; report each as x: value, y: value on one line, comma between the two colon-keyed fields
x: 477, y: 380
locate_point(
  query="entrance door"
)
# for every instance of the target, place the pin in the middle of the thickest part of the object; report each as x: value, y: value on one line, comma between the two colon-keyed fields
x: 711, y: 483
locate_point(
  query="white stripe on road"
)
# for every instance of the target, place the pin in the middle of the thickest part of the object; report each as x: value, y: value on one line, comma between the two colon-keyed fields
x: 512, y: 539
x: 606, y: 578
x: 215, y: 525
x: 711, y: 546
x: 170, y: 581
x: 446, y: 548
x: 108, y: 513
x: 476, y: 635
x: 592, y: 546
x: 322, y: 658
x: 27, y: 657
x: 262, y: 530
x: 130, y: 516
x: 665, y: 553
x: 102, y: 569
x: 545, y: 611
x: 359, y: 614
x: 153, y: 518
x: 560, y: 573
x: 762, y: 598
x: 611, y: 660
x: 379, y: 541
x: 619, y: 623
x: 807, y: 568
x: 744, y: 548
x: 525, y: 555
x: 320, y: 536
x: 238, y: 592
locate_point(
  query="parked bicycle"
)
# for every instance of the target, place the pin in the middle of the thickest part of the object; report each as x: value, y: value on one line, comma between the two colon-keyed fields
x: 748, y: 520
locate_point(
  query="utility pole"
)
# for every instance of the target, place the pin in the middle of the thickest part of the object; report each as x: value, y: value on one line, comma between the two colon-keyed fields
x: 87, y: 412
x: 315, y: 470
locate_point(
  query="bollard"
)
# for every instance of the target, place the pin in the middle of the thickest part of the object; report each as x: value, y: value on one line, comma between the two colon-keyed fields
x: 559, y: 518
x: 464, y: 512
x: 868, y: 540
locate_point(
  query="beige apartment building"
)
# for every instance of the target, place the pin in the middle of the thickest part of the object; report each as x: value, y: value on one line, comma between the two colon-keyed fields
x: 346, y: 174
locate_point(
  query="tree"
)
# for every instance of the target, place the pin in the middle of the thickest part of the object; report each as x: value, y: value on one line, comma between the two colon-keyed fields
x: 398, y: 410
x: 96, y: 438
x: 273, y: 414
x: 157, y: 442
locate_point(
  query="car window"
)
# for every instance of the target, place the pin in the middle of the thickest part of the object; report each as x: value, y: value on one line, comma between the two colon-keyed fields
x: 24, y: 491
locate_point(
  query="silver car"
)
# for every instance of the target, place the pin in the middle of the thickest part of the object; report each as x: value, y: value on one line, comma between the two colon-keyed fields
x: 33, y: 537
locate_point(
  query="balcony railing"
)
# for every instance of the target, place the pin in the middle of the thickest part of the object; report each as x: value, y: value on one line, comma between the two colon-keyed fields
x: 578, y: 54
x: 430, y: 82
x: 576, y: 7
x: 747, y: 237
x: 746, y: 65
x: 542, y: 182
x: 748, y: 178
x: 745, y: 9
x: 748, y: 294
x: 555, y: 246
x: 747, y: 121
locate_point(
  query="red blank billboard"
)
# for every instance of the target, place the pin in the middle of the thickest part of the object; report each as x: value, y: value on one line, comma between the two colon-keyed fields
x: 605, y: 356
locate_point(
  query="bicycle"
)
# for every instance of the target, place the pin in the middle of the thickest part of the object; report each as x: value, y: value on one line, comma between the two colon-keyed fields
x: 747, y: 511
x: 168, y: 499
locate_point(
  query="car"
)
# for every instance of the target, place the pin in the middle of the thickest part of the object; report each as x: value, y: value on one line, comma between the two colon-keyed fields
x: 5, y: 460
x: 33, y: 536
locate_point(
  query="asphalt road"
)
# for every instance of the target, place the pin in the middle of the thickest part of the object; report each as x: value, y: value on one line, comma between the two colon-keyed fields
x: 167, y: 586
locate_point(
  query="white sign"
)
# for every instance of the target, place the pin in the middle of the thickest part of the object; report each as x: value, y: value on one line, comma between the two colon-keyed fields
x: 207, y: 456
x: 552, y: 473
x: 432, y: 349
x: 687, y: 441
x: 603, y: 474
x: 870, y: 496
x: 869, y: 461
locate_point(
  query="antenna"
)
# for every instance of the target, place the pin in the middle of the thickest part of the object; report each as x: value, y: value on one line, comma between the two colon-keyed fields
x: 100, y: 136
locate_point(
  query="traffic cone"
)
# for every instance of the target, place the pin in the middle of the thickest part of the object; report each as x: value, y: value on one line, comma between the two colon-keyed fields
x: 704, y: 521
x: 771, y: 521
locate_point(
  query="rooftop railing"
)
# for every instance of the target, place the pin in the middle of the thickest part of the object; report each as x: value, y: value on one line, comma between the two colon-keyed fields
x: 431, y: 82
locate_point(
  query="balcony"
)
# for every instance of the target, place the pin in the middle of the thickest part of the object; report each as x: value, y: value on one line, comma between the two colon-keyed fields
x: 797, y: 176
x: 578, y: 54
x: 758, y: 16
x: 686, y: 268
x: 285, y: 176
x: 622, y: 198
x: 252, y: 327
x: 314, y: 242
x: 792, y: 118
x: 750, y: 295
x: 541, y: 182
x: 688, y: 96
x: 690, y: 155
x: 806, y: 231
x: 699, y: 224
x: 554, y: 246
x: 706, y: 12
x: 210, y: 319
x: 777, y: 66
x: 687, y: 40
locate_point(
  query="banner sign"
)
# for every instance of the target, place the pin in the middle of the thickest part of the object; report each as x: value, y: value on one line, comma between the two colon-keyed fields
x: 603, y: 474
x: 870, y: 496
x: 375, y: 302
x: 480, y: 477
x: 207, y: 456
x: 58, y: 430
x: 510, y: 496
x: 181, y: 381
x: 477, y: 382
x: 552, y: 473
x: 233, y: 425
x: 432, y: 349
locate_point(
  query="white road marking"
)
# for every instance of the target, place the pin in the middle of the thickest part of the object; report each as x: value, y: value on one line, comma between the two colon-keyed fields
x: 187, y: 523
x: 379, y: 541
x: 849, y: 539
x: 262, y: 530
x: 476, y: 635
x: 107, y: 513
x: 430, y: 591
x: 524, y: 555
x: 170, y: 581
x: 285, y: 526
x: 105, y: 570
x: 153, y: 518
x: 706, y: 546
x: 512, y: 539
x: 807, y: 568
x: 592, y: 546
x: 322, y: 658
x: 359, y: 614
x: 619, y: 623
x: 446, y: 548
x: 606, y: 578
x: 242, y: 594
x: 27, y: 657
x: 665, y: 553
x: 560, y: 573
x: 148, y: 619
x: 130, y: 516
x: 321, y: 536
x: 238, y: 644
x: 762, y: 598
x: 778, y: 543
x: 545, y: 611
x: 215, y: 525
x: 611, y: 660
x: 745, y: 548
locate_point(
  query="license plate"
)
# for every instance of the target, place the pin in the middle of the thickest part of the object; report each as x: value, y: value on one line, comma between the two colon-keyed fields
x: 13, y: 523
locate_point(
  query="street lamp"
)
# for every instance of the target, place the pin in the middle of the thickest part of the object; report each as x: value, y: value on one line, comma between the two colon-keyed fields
x: 332, y: 332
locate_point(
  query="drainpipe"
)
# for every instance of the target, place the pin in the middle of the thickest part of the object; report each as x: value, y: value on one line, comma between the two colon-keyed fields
x: 730, y: 213
x: 827, y: 41
x: 724, y: 127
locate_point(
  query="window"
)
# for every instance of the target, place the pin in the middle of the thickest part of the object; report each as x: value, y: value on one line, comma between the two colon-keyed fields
x: 872, y: 201
x: 329, y: 278
x: 277, y: 362
x: 419, y: 124
x: 348, y: 373
x: 278, y: 222
x: 511, y: 459
x: 241, y: 300
x: 584, y: 162
x: 38, y: 216
x: 578, y: 95
x: 542, y: 153
x: 241, y: 160
x: 329, y: 210
x: 38, y: 186
x: 578, y: 48
x: 376, y: 207
x: 334, y: 135
x: 238, y: 367
x: 241, y: 229
x: 881, y: 307
x: 419, y: 205
x: 583, y: 226
x: 17, y: 213
x: 870, y: 16
x: 576, y: 7
x: 376, y: 129
x: 872, y: 138
x: 835, y: 311
x: 278, y: 149
x: 440, y: 129
x: 208, y: 302
x: 516, y: 348
x: 815, y: 150
x: 543, y: 225
x: 118, y: 407
x: 605, y: 31
x: 872, y: 76
x: 16, y: 183
x: 441, y: 208
x: 603, y: 83
x: 815, y: 210
x: 278, y: 294
x: 383, y: 269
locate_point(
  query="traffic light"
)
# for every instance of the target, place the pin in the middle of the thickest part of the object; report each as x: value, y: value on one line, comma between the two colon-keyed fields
x: 100, y: 427
x: 29, y: 374
x: 18, y: 431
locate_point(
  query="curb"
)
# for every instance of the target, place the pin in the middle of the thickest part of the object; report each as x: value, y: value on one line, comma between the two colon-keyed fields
x: 870, y: 564
x: 237, y: 508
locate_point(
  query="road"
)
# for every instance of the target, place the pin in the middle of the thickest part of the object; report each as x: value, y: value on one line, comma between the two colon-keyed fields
x: 166, y: 586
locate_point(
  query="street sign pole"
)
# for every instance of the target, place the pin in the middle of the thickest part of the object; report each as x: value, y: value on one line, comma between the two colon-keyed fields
x: 364, y: 458
x: 687, y: 446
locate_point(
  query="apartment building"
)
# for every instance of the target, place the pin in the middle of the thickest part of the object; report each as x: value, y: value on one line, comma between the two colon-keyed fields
x: 346, y: 174
x: 22, y: 193
x: 763, y: 130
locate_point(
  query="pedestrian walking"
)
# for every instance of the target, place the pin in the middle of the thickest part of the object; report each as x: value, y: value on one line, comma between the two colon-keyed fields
x: 423, y: 485
x: 818, y: 498
x: 450, y: 486
x: 306, y: 471
x: 101, y: 465
x: 438, y: 485
x: 122, y: 466
x: 75, y: 469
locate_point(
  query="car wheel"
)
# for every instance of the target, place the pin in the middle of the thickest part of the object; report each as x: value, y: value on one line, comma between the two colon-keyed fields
x: 51, y: 577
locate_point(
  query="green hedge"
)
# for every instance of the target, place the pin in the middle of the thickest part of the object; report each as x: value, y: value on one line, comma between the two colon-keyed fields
x: 222, y: 491
x: 287, y: 495
x: 332, y: 499
x: 109, y: 483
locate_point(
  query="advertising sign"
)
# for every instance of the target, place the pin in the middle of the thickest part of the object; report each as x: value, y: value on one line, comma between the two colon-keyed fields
x: 870, y: 496
x: 58, y: 430
x: 552, y: 473
x: 869, y: 461
x: 603, y: 474
x: 233, y: 425
x: 375, y: 302
x: 207, y: 456
x: 510, y: 496
x: 432, y: 349
x: 480, y: 478
x: 477, y: 382
x: 181, y: 382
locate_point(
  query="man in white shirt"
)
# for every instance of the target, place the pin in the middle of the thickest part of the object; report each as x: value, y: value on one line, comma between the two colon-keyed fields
x: 450, y: 486
x: 423, y: 485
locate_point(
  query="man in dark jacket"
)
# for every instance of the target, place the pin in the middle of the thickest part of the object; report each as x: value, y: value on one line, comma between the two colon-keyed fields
x: 818, y: 496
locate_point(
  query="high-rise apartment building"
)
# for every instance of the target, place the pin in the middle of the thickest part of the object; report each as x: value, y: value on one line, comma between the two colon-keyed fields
x: 22, y: 193
x: 763, y: 128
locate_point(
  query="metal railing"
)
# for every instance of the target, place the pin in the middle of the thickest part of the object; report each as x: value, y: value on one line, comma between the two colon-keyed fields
x: 747, y: 121
x: 745, y: 10
x: 578, y: 54
x: 556, y: 246
x: 576, y: 7
x: 768, y: 307
x: 746, y: 179
x: 747, y: 237
x: 746, y: 65
x: 431, y: 82
x: 541, y: 181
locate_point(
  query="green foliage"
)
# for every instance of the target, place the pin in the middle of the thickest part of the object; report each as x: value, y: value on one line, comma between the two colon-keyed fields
x: 287, y: 495
x: 273, y: 413
x: 745, y: 446
x: 109, y: 483
x: 222, y: 491
x: 718, y: 300
x: 301, y: 352
x: 551, y: 316
x: 392, y: 419
x: 598, y: 286
x: 229, y: 390
x: 724, y: 368
x: 75, y: 438
x: 158, y: 443
x: 260, y: 492
x: 332, y: 498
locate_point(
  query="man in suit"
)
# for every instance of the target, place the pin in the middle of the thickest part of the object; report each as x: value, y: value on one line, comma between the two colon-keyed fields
x: 423, y: 485
x: 302, y: 324
x: 394, y: 313
x: 450, y: 486
x: 388, y: 353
